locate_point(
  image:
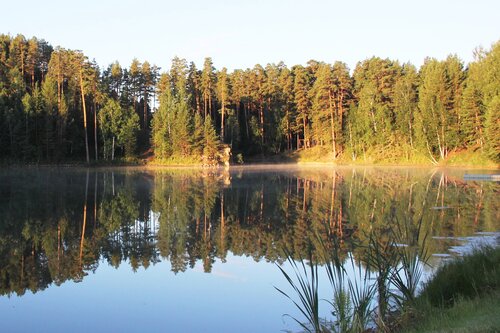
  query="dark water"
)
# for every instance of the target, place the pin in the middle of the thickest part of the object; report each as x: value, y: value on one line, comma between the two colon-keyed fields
x: 179, y: 250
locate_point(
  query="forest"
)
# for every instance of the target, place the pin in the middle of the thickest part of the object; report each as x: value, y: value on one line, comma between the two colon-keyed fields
x: 57, y: 105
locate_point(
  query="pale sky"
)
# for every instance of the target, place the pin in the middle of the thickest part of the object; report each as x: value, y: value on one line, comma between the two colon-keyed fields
x: 240, y: 34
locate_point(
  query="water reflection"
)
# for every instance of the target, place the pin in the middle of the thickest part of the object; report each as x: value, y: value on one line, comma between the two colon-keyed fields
x: 58, y: 225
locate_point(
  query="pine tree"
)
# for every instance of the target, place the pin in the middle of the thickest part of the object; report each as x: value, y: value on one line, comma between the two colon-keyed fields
x: 207, y: 85
x: 374, y: 88
x: 32, y: 60
x: 472, y: 113
x: 119, y: 126
x: 288, y: 118
x: 135, y: 83
x: 323, y: 108
x: 302, y: 104
x: 181, y: 127
x: 149, y: 77
x: 405, y: 104
x: 194, y: 87
x: 492, y: 129
x: 178, y: 76
x: 342, y: 90
x: 439, y: 104
x: 223, y: 93
x: 162, y: 126
x: 211, y: 142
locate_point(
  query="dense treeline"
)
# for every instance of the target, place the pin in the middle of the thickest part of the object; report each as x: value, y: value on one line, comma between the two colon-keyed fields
x: 58, y: 225
x: 57, y: 105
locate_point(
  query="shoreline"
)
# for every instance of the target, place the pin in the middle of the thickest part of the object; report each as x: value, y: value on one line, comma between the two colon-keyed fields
x: 250, y: 165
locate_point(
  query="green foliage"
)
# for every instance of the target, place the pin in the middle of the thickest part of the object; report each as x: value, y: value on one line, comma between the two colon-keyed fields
x: 162, y: 128
x: 302, y: 103
x: 440, y: 93
x: 172, y: 128
x: 478, y: 315
x: 492, y: 132
x: 119, y: 126
x: 388, y: 110
x: 211, y: 141
x: 198, y: 138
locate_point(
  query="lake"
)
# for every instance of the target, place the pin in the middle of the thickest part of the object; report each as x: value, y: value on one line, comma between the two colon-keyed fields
x: 196, y: 250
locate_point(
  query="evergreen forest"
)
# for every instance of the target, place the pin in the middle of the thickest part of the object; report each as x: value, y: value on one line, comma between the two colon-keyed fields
x: 57, y: 105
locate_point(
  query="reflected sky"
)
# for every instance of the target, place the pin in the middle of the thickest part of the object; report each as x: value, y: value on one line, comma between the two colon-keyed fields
x: 237, y: 295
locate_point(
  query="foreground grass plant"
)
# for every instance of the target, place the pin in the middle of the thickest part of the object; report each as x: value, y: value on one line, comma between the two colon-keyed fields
x: 462, y: 296
x: 305, y: 285
x: 363, y: 296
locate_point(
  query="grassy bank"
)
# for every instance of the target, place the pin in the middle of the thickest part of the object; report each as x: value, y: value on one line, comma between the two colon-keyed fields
x: 481, y: 314
x: 383, y: 156
x: 462, y: 296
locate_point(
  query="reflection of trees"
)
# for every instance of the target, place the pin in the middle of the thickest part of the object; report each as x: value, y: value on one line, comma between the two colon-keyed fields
x: 57, y: 225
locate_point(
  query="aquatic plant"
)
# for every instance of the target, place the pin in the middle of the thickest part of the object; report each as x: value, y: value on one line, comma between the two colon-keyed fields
x: 305, y: 286
x: 385, y: 284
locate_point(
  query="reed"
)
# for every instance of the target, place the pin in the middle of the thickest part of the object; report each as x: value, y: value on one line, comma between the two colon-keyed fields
x: 385, y: 282
x: 305, y: 285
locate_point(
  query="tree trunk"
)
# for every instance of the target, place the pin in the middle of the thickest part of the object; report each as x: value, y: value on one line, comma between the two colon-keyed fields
x: 145, y: 111
x: 113, y: 149
x: 332, y: 122
x: 84, y: 117
x: 33, y: 78
x: 411, y: 137
x: 288, y: 134
x: 59, y: 102
x: 340, y: 111
x: 22, y: 60
x: 95, y: 130
x: 261, y: 116
x: 223, y: 110
x: 304, y: 125
x: 210, y: 103
x: 246, y: 118
x: 205, y: 104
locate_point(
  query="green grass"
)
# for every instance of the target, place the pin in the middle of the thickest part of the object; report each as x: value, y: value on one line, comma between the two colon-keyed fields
x: 401, y: 155
x: 473, y: 275
x: 481, y: 314
x: 469, y: 158
x: 177, y: 160
x: 463, y: 296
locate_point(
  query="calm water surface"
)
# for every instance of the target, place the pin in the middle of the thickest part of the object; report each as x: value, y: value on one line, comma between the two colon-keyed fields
x: 181, y: 250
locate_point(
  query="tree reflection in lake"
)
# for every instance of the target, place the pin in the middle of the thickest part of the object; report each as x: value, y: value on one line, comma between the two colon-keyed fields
x: 57, y: 225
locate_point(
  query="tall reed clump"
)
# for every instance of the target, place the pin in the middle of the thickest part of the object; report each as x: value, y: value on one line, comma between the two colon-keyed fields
x: 305, y: 286
x: 364, y: 293
x: 398, y: 263
x: 352, y: 296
